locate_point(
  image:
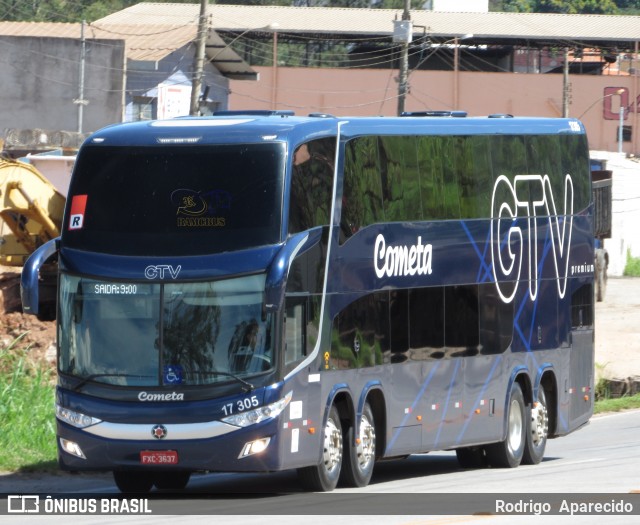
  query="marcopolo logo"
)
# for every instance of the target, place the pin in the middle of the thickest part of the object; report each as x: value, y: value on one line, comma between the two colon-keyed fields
x: 401, y: 261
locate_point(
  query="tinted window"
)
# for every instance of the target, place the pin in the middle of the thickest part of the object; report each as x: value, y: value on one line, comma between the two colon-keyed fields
x: 311, y: 185
x: 421, y: 324
x: 582, y: 307
x: 176, y: 200
x: 361, y: 332
x: 362, y: 197
x: 413, y: 178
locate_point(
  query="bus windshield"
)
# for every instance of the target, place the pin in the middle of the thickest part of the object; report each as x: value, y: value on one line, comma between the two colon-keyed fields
x: 152, y: 334
x: 178, y: 200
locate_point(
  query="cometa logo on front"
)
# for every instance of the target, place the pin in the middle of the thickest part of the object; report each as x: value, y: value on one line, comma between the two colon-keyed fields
x: 401, y: 260
x: 172, y: 396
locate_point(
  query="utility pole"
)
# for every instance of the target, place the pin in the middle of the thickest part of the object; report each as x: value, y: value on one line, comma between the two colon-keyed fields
x: 80, y: 101
x: 196, y: 84
x: 403, y: 76
x: 566, y: 87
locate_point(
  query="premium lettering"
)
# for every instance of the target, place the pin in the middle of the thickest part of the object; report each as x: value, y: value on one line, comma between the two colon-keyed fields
x: 401, y: 260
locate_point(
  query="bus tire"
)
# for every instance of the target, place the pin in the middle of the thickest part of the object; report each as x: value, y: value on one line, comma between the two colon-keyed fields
x: 360, y: 451
x: 537, y: 430
x: 133, y: 480
x: 172, y: 480
x: 324, y: 476
x: 509, y: 453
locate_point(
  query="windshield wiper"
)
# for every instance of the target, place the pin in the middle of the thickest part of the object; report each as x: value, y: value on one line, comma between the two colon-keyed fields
x: 248, y: 387
x: 91, y: 377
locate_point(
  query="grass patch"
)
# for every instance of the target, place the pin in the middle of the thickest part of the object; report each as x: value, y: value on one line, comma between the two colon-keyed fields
x: 618, y: 404
x: 27, y: 439
x: 632, y: 268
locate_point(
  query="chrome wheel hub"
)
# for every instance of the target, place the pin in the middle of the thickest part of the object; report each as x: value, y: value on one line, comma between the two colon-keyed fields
x: 332, y: 449
x: 539, y: 423
x: 366, y: 443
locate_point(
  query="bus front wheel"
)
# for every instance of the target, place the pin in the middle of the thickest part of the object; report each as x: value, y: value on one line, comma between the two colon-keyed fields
x: 360, y: 451
x: 324, y: 476
x: 509, y: 453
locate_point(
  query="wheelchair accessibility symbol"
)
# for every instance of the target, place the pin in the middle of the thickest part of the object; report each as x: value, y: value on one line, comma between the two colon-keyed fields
x: 172, y: 374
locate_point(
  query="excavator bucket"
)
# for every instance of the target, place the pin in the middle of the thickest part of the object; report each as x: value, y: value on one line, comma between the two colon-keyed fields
x: 31, y: 211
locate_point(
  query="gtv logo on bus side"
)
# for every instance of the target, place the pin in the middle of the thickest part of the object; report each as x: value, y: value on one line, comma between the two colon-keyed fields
x: 512, y: 201
x: 159, y: 271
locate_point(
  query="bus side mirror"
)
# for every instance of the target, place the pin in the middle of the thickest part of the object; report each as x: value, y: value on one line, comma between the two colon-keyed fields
x: 29, y: 279
x: 278, y: 271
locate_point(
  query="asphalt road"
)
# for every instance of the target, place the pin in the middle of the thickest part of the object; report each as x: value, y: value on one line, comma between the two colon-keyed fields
x: 598, y: 462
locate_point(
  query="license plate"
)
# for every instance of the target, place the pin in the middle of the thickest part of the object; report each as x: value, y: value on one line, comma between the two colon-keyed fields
x: 159, y: 457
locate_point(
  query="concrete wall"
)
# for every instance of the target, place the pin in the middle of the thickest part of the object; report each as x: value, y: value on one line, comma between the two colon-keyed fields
x: 40, y: 79
x: 374, y: 92
x: 625, y: 208
x: 175, y: 69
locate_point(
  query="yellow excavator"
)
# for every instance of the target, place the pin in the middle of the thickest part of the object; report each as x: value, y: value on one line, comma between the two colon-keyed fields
x: 31, y: 211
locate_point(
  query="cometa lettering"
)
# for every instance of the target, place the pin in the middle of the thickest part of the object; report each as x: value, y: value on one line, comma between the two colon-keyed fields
x: 173, y: 396
x: 402, y: 260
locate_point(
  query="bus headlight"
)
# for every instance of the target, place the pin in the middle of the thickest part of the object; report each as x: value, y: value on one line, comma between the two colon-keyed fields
x: 72, y: 448
x: 251, y: 417
x: 74, y: 418
x: 254, y: 447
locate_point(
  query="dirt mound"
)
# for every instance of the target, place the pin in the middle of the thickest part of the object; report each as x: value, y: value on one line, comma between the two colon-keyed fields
x: 38, y: 336
x: 9, y: 289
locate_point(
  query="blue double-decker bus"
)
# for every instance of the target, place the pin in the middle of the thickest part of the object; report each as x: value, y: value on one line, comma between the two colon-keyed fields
x: 255, y: 292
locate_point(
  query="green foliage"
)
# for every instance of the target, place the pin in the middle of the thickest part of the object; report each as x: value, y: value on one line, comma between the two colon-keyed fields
x: 511, y: 6
x: 26, y: 410
x: 632, y: 268
x: 605, y: 7
x: 617, y: 404
x: 603, y: 389
x: 601, y: 7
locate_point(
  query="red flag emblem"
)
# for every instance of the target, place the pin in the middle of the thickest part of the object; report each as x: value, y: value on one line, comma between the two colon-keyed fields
x: 78, y: 206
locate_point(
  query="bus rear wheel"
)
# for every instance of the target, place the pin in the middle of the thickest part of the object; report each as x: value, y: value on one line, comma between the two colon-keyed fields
x: 360, y: 451
x: 324, y: 476
x: 133, y: 480
x: 509, y: 453
x: 537, y: 430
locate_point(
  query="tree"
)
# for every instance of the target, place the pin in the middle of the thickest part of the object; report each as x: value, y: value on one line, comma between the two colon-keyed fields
x: 604, y: 7
x: 600, y: 7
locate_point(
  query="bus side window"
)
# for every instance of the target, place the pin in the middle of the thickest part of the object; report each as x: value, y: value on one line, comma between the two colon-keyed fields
x: 311, y: 185
x: 362, y: 202
x: 295, y: 337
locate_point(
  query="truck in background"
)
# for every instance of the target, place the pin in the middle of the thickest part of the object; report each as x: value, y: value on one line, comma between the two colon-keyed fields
x: 602, y: 182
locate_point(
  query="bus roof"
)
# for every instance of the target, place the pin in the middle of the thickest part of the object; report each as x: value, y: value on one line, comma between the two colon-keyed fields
x: 253, y: 126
